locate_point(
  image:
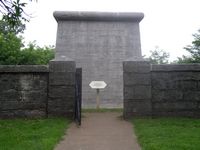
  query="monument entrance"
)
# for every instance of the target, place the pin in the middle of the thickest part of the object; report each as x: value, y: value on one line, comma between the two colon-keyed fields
x: 98, y: 42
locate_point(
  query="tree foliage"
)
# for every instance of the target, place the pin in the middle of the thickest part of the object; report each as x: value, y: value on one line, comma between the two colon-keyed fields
x: 159, y: 56
x: 13, y: 13
x: 193, y: 49
x: 13, y: 52
x: 36, y: 55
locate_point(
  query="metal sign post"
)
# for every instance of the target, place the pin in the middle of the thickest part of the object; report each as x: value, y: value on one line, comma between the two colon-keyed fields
x: 98, y: 85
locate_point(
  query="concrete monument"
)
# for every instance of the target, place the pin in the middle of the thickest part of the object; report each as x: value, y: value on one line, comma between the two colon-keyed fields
x: 99, y: 42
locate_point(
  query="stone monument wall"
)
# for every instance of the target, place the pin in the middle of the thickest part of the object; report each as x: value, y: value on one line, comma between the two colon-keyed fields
x: 99, y: 42
x: 176, y: 90
x: 38, y: 91
x: 23, y: 91
x: 161, y: 90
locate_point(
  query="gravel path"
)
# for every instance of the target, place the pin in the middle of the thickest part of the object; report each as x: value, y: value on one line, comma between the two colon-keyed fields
x: 100, y: 131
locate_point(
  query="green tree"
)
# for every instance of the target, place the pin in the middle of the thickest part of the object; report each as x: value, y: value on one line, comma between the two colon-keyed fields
x: 10, y: 46
x: 193, y: 49
x: 35, y: 55
x: 13, y: 52
x: 159, y: 56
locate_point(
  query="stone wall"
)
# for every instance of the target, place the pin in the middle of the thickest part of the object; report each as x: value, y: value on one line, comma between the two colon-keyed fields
x: 176, y: 90
x: 166, y: 90
x: 23, y: 91
x: 61, y: 88
x: 38, y: 91
x: 137, y: 88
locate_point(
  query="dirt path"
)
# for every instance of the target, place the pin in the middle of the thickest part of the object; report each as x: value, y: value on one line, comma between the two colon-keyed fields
x: 100, y: 131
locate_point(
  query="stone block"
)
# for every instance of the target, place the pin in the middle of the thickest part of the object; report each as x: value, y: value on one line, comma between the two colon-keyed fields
x: 61, y: 87
x: 137, y: 108
x: 191, y: 96
x: 193, y: 114
x: 186, y: 85
x: 62, y: 78
x: 33, y: 113
x: 176, y: 68
x: 136, y: 78
x: 61, y: 91
x: 24, y: 69
x: 137, y: 92
x: 175, y: 106
x: 136, y: 66
x: 62, y: 66
x: 166, y: 95
x: 15, y: 105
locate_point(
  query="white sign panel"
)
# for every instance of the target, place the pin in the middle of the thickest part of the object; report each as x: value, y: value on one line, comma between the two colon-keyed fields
x: 98, y: 84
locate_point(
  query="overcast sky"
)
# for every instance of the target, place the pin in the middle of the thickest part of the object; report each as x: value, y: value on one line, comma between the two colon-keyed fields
x: 168, y: 24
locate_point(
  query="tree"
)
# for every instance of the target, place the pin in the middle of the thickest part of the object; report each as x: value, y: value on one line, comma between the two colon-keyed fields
x: 193, y: 49
x: 13, y: 12
x: 13, y: 52
x: 159, y: 56
x: 35, y: 55
x: 10, y: 46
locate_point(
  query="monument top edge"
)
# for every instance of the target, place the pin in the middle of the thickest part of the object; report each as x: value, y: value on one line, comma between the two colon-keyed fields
x: 97, y: 16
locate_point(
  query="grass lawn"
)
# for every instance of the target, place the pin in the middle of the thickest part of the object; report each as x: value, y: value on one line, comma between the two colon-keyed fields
x: 168, y: 133
x: 31, y: 134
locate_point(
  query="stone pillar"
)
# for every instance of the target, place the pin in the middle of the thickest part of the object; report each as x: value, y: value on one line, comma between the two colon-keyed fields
x: 137, y: 88
x: 61, y: 96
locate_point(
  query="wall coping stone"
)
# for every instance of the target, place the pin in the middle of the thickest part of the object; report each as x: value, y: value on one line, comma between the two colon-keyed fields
x: 97, y: 16
x: 23, y: 68
x: 62, y: 59
x: 175, y: 67
x: 136, y: 59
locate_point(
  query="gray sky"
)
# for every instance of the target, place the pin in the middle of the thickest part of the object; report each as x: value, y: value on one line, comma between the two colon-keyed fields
x: 168, y: 24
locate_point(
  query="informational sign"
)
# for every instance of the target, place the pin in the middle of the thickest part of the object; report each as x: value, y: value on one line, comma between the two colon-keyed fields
x: 98, y: 84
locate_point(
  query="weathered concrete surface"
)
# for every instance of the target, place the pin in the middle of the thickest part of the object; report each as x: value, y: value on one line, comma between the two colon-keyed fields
x: 23, y: 91
x: 61, y: 98
x: 100, y: 131
x: 38, y: 90
x: 137, y: 88
x: 176, y: 90
x: 161, y: 90
x: 99, y: 42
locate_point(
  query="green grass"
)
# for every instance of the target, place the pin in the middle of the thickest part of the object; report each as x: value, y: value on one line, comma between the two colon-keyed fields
x: 90, y: 110
x: 168, y: 133
x: 33, y: 134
